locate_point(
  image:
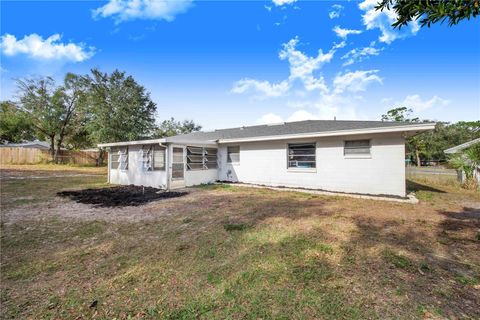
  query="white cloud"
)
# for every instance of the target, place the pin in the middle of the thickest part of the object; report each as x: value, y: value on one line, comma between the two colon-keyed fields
x: 269, y: 118
x: 357, y: 55
x: 382, y: 20
x: 335, y: 11
x: 355, y: 81
x: 34, y: 46
x: 264, y: 88
x: 307, y: 88
x: 125, y: 10
x: 301, y: 115
x: 302, y: 69
x: 282, y: 2
x: 344, y: 33
x: 419, y: 105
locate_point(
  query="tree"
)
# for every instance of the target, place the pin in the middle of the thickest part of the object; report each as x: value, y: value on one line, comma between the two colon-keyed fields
x: 448, y: 135
x: 38, y: 99
x: 430, y: 11
x: 467, y: 161
x: 414, y: 144
x: 15, y: 126
x: 171, y: 127
x: 400, y: 114
x: 50, y: 108
x: 70, y: 97
x: 119, y: 109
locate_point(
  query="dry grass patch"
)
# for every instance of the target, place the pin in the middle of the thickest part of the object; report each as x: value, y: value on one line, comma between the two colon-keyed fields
x: 234, y: 252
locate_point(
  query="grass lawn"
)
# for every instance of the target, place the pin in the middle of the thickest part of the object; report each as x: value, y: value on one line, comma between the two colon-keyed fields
x: 233, y: 253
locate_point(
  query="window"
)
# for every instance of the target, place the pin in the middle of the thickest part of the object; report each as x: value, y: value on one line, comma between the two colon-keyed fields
x: 301, y: 156
x: 357, y: 148
x: 152, y: 157
x: 233, y: 154
x: 119, y: 158
x: 199, y: 158
x: 194, y: 158
x: 145, y: 157
x: 210, y: 159
x: 158, y: 158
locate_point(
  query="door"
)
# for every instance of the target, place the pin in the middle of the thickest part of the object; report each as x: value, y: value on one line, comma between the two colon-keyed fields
x: 177, y: 172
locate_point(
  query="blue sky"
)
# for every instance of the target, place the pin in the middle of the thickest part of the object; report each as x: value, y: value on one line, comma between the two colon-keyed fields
x: 228, y: 63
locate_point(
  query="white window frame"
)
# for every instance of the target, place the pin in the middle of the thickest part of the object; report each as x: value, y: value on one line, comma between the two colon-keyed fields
x: 357, y: 155
x: 300, y: 169
x: 228, y: 155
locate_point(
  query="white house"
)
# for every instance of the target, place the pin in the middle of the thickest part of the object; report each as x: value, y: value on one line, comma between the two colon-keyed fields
x: 364, y: 157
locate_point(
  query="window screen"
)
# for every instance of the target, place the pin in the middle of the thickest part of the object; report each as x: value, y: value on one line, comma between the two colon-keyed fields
x: 301, y: 155
x: 114, y: 158
x: 158, y: 158
x: 233, y: 154
x: 199, y: 158
x: 119, y: 158
x: 357, y: 147
x: 145, y: 157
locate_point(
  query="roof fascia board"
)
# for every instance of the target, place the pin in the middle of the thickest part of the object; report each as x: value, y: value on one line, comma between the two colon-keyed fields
x: 194, y: 143
x: 130, y: 143
x: 419, y: 127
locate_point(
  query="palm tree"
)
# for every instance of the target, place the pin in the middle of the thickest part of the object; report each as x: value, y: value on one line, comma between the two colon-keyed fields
x: 468, y: 162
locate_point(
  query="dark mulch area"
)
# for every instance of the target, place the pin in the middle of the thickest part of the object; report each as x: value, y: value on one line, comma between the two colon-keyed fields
x: 121, y: 196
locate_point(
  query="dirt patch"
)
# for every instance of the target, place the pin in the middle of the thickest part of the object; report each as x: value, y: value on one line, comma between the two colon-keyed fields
x: 121, y: 196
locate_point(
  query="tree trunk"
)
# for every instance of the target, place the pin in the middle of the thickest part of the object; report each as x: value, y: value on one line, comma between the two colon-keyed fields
x: 58, y: 150
x: 417, y: 155
x: 101, y: 154
x: 52, y: 147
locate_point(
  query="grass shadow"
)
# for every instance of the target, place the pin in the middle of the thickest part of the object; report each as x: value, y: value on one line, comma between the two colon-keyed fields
x: 415, y: 186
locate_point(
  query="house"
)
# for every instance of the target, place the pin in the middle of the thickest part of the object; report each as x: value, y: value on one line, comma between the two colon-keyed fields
x: 28, y: 144
x: 364, y: 157
x: 460, y: 148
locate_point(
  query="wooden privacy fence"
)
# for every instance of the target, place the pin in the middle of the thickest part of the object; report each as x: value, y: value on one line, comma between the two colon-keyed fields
x: 18, y: 155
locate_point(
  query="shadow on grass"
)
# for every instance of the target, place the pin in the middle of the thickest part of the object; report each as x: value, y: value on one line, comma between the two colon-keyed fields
x: 415, y: 186
x: 409, y: 252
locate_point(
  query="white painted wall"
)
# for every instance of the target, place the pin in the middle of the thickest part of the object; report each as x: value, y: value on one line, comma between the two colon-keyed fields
x: 196, y: 177
x: 266, y: 163
x: 135, y: 174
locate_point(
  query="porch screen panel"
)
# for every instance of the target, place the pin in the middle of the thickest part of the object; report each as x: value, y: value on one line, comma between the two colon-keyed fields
x: 301, y: 156
x: 158, y: 158
x: 114, y: 158
x: 119, y: 158
x: 177, y: 163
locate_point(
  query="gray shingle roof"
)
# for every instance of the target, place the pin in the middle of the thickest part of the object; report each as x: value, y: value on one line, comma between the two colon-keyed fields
x: 299, y: 127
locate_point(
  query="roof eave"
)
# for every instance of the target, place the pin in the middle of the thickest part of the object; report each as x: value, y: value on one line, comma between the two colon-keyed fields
x: 461, y: 146
x: 411, y: 128
x: 130, y: 143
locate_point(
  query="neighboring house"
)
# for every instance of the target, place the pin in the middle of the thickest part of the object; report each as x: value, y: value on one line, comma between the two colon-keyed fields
x: 462, y: 146
x: 459, y: 148
x: 364, y: 157
x: 29, y: 144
